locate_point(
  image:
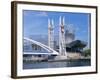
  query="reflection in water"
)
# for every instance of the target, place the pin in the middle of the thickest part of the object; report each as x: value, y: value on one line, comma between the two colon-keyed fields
x: 58, y: 64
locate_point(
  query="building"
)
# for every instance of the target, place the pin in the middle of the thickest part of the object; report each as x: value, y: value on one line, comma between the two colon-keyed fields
x: 69, y: 35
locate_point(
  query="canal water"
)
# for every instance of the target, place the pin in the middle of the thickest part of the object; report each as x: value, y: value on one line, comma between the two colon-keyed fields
x: 56, y: 64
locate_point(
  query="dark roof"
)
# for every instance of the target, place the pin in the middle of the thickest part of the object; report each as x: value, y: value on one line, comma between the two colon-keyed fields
x: 76, y: 44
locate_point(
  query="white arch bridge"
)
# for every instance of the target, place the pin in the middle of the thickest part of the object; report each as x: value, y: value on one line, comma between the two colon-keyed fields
x: 50, y: 50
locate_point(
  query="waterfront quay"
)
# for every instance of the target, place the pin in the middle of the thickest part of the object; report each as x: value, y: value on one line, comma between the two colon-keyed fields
x: 56, y: 63
x: 53, y: 58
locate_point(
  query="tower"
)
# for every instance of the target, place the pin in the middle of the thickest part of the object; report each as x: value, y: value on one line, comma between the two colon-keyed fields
x: 62, y: 46
x: 69, y: 34
x: 51, y: 33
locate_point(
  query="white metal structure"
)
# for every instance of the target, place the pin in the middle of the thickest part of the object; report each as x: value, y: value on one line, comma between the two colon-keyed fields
x: 51, y: 33
x: 62, y: 47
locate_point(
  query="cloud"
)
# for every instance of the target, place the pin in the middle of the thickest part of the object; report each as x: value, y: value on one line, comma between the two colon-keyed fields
x: 44, y: 14
x: 71, y: 27
x: 77, y: 29
x: 84, y: 31
x: 35, y: 13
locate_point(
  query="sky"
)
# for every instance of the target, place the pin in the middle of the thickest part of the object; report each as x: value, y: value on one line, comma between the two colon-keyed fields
x: 36, y: 23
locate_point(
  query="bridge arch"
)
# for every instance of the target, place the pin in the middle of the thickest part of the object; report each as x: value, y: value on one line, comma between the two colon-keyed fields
x: 50, y: 50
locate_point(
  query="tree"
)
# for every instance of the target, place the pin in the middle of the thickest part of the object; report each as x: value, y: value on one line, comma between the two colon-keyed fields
x: 87, y: 52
